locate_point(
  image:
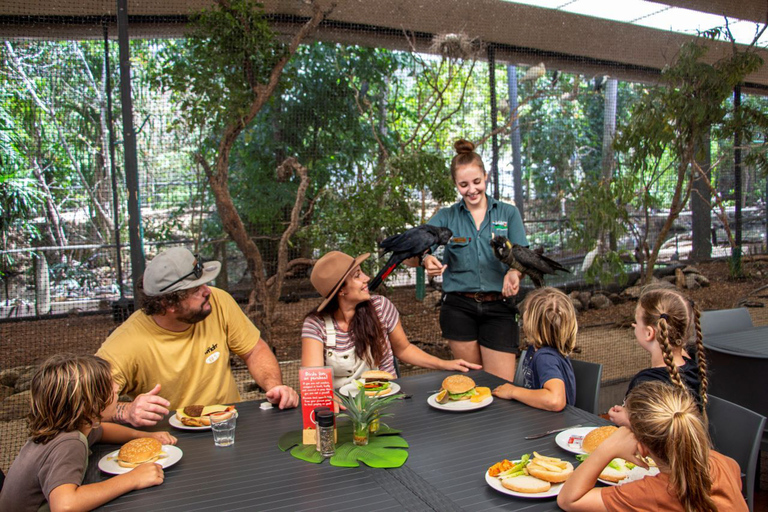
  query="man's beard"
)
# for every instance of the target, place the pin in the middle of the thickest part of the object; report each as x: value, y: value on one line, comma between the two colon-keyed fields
x: 193, y: 317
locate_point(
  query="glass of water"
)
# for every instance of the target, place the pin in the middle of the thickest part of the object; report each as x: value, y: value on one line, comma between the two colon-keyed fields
x: 223, y: 427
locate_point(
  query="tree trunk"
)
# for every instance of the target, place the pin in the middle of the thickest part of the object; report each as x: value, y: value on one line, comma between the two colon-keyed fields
x: 262, y: 301
x: 701, y: 204
x: 678, y: 201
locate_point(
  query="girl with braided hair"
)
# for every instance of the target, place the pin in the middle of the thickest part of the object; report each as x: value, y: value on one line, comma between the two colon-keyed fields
x: 665, y: 322
x: 666, y: 425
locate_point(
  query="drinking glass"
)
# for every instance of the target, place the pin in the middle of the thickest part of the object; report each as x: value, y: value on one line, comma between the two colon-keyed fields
x: 223, y: 427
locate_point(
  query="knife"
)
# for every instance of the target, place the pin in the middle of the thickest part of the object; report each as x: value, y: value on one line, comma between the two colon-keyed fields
x: 536, y: 436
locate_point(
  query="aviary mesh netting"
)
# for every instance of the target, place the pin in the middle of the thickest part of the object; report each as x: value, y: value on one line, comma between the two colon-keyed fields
x: 351, y: 145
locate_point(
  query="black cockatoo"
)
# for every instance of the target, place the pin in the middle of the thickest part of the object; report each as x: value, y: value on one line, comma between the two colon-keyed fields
x: 414, y: 242
x: 531, y: 263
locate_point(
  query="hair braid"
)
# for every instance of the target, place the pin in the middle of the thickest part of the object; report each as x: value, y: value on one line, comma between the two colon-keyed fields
x: 669, y: 358
x: 701, y: 359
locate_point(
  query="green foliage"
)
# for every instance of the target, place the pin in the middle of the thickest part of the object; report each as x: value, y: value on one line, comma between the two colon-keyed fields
x: 599, y: 211
x: 607, y: 268
x: 213, y: 72
x: 362, y: 408
x: 671, y: 120
x: 384, y: 448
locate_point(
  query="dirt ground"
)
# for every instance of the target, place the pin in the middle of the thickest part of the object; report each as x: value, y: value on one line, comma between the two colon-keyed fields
x: 27, y: 343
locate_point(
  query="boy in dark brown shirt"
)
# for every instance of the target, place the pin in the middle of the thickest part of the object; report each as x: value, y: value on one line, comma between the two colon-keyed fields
x: 70, y: 394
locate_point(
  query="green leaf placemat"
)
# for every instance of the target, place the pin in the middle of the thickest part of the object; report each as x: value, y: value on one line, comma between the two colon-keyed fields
x: 384, y: 449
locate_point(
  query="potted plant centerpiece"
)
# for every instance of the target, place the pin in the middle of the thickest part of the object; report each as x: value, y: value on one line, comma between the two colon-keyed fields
x: 362, y: 410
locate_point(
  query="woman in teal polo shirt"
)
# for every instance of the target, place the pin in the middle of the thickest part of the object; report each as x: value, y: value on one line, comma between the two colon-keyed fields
x: 479, y: 324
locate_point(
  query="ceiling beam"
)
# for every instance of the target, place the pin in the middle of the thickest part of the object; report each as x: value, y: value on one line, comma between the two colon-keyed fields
x: 522, y: 34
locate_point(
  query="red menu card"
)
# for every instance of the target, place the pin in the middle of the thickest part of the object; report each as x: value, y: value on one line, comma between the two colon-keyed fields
x: 316, y: 388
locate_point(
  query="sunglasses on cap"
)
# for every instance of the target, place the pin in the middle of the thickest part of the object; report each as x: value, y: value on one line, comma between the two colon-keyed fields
x: 197, y: 271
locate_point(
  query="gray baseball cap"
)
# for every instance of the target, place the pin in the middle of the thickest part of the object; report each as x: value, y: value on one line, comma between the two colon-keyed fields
x: 177, y: 269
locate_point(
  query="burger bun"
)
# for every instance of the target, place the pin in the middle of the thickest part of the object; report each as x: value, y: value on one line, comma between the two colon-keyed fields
x: 457, y: 384
x: 140, y: 451
x: 526, y: 484
x: 613, y: 475
x: 592, y: 440
x: 377, y: 375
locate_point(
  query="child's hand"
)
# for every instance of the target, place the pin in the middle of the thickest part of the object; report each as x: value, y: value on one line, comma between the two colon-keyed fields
x: 163, y: 437
x: 147, y: 475
x: 622, y: 443
x: 618, y: 415
x: 504, y: 391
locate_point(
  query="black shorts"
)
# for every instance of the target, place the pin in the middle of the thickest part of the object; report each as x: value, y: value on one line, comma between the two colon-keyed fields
x: 493, y: 324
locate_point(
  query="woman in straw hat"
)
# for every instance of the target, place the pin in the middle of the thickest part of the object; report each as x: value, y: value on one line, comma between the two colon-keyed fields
x: 353, y: 331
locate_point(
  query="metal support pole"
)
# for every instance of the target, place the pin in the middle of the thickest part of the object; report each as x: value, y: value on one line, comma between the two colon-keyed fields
x: 736, y: 257
x: 129, y: 147
x: 495, y: 143
x: 517, y: 160
x: 112, y: 164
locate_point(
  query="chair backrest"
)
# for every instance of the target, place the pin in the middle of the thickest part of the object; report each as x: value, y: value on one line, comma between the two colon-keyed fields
x: 588, y: 376
x: 725, y: 320
x: 738, y: 379
x: 519, y: 372
x: 737, y: 432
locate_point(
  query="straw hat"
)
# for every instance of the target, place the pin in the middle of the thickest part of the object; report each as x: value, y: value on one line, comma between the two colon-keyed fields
x: 330, y: 271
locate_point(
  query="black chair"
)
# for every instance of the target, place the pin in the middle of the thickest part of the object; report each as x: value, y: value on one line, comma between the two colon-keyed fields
x: 740, y: 379
x: 722, y: 321
x: 737, y: 433
x: 519, y: 372
x: 588, y: 376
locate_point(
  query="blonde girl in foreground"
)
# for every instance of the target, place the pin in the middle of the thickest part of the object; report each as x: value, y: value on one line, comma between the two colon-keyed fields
x: 70, y: 395
x: 665, y: 425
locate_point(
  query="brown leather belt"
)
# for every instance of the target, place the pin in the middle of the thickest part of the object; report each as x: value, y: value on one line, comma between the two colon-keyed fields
x: 482, y: 296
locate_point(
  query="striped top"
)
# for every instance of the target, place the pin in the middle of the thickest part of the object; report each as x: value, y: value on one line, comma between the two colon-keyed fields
x: 314, y: 328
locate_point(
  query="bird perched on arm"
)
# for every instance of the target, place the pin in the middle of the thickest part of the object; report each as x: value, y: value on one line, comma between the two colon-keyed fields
x: 413, y: 242
x: 531, y: 263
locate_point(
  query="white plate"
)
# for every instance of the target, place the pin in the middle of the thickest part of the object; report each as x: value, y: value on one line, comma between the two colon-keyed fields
x: 496, y: 484
x: 562, y: 438
x: 175, y: 423
x: 351, y: 389
x: 460, y: 405
x: 635, y: 473
x: 108, y: 463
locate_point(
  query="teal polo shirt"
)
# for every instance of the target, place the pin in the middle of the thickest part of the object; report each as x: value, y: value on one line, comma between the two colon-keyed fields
x: 472, y: 267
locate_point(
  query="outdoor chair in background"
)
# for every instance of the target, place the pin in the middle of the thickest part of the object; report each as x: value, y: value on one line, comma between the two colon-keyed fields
x: 722, y: 321
x: 588, y: 376
x: 737, y: 433
x: 741, y: 379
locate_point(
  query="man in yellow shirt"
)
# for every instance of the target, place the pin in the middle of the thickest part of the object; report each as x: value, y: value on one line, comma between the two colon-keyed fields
x: 180, y: 341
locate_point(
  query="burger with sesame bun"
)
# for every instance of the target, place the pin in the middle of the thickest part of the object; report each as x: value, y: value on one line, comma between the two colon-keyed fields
x: 376, y: 382
x: 456, y: 387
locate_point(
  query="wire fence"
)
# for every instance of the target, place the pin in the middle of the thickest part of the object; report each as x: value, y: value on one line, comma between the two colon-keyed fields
x: 65, y: 227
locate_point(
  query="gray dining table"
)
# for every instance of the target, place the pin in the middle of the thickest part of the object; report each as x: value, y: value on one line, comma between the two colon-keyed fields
x: 449, y: 453
x: 752, y: 342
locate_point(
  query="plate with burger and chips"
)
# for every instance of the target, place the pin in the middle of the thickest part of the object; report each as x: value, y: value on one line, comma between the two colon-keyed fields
x: 197, y: 417
x: 374, y: 382
x: 460, y: 393
x: 139, y: 451
x: 536, y: 476
x: 618, y: 471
